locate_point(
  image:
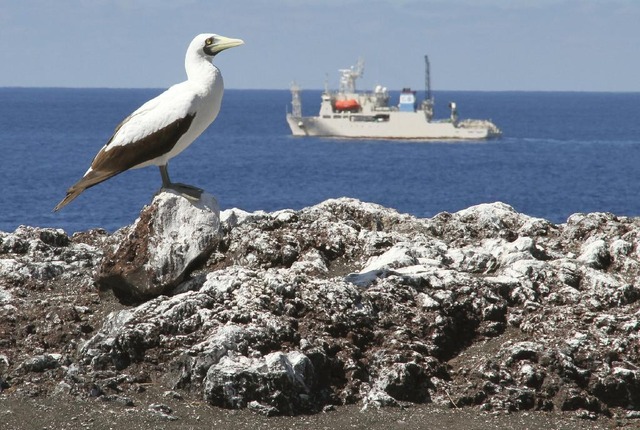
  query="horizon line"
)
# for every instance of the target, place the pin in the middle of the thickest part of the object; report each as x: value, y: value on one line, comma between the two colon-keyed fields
x: 319, y: 89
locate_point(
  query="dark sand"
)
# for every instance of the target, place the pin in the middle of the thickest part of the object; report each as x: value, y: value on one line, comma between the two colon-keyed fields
x: 97, y: 414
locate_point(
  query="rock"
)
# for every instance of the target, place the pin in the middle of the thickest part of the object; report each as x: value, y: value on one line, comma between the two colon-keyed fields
x: 4, y: 363
x: 34, y: 257
x: 162, y: 411
x: 173, y: 395
x: 40, y: 363
x: 596, y: 254
x: 54, y: 237
x: 282, y: 382
x: 263, y: 409
x: 293, y: 312
x: 378, y: 399
x: 61, y: 390
x: 171, y: 236
x: 405, y: 382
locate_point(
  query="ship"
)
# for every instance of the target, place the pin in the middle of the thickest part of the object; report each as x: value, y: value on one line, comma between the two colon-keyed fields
x: 348, y: 113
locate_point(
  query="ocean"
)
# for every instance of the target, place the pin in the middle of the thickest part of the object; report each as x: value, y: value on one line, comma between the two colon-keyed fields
x: 560, y: 153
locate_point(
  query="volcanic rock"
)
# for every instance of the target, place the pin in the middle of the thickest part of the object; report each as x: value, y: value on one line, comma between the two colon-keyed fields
x: 344, y: 302
x: 171, y: 235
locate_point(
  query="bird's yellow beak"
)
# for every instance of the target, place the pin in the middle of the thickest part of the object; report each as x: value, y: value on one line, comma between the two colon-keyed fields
x: 221, y: 43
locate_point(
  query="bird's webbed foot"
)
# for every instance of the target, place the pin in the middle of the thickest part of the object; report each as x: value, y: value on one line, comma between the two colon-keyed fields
x: 188, y: 191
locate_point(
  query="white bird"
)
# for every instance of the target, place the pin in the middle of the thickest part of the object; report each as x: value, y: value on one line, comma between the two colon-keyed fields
x: 164, y: 126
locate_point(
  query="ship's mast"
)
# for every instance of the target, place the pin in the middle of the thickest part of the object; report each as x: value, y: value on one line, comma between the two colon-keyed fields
x: 427, y: 79
x: 427, y: 103
x: 296, y: 104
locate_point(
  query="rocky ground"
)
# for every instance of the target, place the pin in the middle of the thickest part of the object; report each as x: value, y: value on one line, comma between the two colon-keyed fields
x: 340, y: 313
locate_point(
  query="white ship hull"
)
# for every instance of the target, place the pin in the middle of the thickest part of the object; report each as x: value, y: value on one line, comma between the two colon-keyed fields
x: 401, y: 125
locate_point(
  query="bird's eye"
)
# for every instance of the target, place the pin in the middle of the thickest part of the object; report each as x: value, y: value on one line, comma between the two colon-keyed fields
x: 209, y: 41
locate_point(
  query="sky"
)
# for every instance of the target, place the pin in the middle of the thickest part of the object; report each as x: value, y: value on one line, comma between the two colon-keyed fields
x: 483, y: 45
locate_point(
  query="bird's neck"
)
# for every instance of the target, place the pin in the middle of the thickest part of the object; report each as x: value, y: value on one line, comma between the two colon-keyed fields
x: 201, y: 72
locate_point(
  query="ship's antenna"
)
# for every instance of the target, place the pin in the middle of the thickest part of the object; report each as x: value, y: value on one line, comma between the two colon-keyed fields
x: 348, y: 76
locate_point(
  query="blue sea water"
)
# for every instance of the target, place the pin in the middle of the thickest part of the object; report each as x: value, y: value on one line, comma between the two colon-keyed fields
x: 561, y: 153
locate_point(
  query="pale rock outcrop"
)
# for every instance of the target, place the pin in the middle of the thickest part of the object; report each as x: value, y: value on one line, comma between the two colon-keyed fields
x: 171, y: 236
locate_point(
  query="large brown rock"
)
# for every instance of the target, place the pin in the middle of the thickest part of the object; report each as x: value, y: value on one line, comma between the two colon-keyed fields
x: 159, y: 249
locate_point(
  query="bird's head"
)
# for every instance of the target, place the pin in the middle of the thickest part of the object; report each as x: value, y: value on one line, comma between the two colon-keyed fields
x: 208, y: 44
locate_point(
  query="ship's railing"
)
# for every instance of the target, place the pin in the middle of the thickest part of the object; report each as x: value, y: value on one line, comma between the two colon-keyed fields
x: 481, y: 123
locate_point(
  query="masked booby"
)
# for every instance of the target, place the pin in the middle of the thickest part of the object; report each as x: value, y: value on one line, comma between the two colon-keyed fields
x: 164, y: 126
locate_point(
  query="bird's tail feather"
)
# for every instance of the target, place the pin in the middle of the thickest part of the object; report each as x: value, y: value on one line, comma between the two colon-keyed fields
x: 91, y: 178
x: 71, y: 195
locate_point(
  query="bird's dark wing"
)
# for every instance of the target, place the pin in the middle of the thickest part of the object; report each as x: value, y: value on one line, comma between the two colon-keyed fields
x: 114, y: 159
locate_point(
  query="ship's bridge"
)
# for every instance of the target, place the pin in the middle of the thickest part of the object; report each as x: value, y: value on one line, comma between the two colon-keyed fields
x: 408, y: 102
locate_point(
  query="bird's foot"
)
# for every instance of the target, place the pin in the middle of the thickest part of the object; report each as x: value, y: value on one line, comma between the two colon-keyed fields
x: 188, y: 191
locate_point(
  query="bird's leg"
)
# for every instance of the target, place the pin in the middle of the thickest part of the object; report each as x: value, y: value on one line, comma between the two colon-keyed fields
x: 187, y: 191
x: 164, y: 172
